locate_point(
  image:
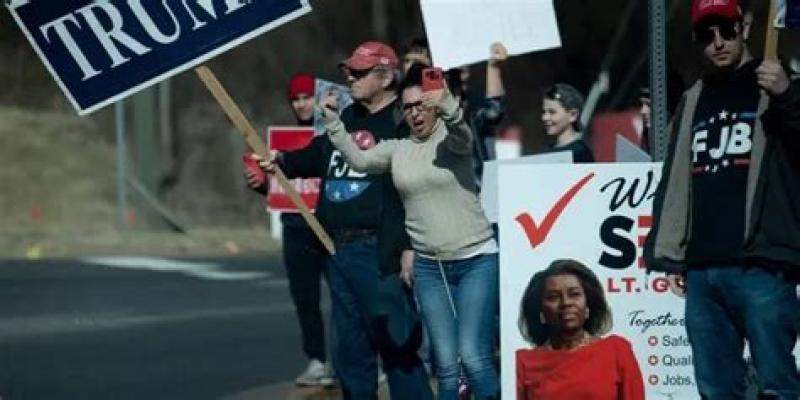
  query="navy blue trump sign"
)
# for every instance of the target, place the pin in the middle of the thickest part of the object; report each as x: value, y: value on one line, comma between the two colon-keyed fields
x: 100, y: 51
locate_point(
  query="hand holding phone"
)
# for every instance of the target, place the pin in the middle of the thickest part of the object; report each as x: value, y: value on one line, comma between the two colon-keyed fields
x: 432, y: 79
x: 498, y: 54
x: 329, y: 106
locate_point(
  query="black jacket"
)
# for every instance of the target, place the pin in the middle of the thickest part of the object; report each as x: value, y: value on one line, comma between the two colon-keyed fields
x: 350, y: 200
x: 772, y: 218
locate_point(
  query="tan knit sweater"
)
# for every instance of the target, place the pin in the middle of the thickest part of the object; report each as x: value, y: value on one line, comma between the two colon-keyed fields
x: 436, y: 181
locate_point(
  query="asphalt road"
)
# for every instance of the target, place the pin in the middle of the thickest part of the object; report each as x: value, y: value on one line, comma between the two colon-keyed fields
x: 141, y: 328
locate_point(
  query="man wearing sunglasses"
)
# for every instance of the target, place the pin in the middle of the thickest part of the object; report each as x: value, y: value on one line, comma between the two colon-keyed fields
x: 372, y: 313
x: 727, y: 212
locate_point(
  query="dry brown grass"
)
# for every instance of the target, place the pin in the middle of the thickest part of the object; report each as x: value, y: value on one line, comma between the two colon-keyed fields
x: 58, y: 164
x: 57, y: 196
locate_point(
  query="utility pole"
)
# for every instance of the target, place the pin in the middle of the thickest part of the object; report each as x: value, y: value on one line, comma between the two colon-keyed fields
x: 147, y: 152
x: 165, y: 126
x: 122, y: 163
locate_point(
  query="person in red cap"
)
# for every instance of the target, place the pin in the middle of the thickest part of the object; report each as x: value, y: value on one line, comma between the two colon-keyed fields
x: 372, y: 311
x: 727, y: 213
x: 301, y: 96
x: 303, y: 257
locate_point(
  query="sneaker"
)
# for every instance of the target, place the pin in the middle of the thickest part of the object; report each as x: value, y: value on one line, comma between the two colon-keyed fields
x: 316, y: 374
x: 464, y: 391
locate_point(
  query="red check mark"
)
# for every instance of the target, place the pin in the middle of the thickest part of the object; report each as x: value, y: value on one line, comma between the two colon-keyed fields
x: 537, y: 234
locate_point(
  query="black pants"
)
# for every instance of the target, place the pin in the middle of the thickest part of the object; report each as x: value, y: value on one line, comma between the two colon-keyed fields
x: 305, y: 263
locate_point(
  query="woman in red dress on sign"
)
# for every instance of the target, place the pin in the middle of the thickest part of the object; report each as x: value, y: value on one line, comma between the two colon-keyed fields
x: 564, y: 313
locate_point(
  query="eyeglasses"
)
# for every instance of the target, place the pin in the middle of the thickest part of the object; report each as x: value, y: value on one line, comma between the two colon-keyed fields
x: 417, y: 105
x: 704, y: 34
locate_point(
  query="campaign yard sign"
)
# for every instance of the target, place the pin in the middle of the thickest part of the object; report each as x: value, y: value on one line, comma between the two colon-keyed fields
x: 598, y: 214
x: 288, y: 138
x: 100, y: 51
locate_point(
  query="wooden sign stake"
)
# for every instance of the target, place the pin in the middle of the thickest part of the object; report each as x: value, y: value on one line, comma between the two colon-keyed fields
x: 771, y: 45
x: 259, y: 147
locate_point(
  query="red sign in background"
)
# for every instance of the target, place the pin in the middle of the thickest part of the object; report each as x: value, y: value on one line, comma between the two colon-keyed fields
x: 288, y: 138
x: 606, y: 127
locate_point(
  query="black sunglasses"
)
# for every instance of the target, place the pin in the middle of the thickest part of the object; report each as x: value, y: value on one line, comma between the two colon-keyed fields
x: 704, y: 35
x: 359, y: 73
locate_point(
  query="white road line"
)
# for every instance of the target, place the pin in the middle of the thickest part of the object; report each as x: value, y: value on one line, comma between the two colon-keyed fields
x: 47, y: 325
x: 202, y: 270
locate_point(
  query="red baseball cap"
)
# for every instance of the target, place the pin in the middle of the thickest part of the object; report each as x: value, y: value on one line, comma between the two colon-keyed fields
x: 723, y: 8
x: 371, y: 54
x: 301, y: 84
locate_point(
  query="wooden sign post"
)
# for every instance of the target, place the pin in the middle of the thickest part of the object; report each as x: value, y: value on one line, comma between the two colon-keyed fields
x: 259, y: 147
x: 771, y: 45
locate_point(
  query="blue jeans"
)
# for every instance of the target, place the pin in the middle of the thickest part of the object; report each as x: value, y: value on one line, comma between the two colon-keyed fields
x: 469, y: 336
x: 730, y: 304
x: 373, y: 315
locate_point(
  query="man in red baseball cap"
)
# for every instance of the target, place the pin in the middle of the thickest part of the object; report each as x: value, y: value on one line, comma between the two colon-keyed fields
x: 725, y: 213
x: 721, y: 19
x: 372, y: 74
x: 371, y: 310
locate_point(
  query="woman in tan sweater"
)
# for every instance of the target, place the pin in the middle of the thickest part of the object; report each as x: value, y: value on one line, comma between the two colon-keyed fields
x: 455, y: 267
